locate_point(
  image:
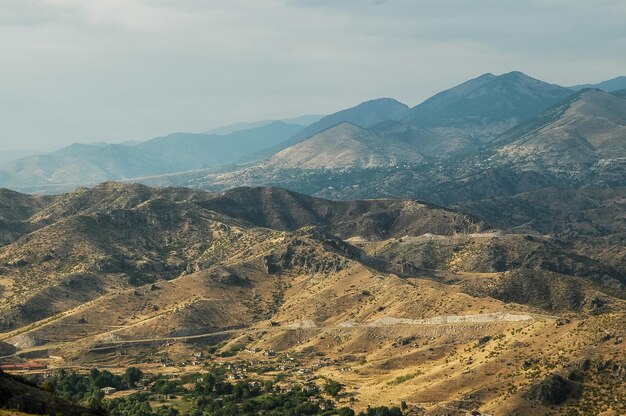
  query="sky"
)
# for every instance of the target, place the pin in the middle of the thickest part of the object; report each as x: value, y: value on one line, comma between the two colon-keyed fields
x: 116, y: 70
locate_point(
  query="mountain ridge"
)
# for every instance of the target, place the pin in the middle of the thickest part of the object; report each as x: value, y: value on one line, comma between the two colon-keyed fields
x: 195, y: 151
x: 586, y: 131
x: 436, y: 147
x: 303, y: 121
x: 364, y: 115
x: 611, y: 85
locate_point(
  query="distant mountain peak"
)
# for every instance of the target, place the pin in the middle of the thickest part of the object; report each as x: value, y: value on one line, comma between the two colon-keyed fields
x: 488, y: 101
x: 383, y: 100
x: 75, y: 148
x: 514, y: 74
x: 582, y: 95
x: 346, y: 125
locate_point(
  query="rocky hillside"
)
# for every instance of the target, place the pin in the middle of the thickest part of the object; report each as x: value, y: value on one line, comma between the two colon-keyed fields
x: 79, y: 241
x: 15, y: 211
x: 346, y: 146
x: 373, y: 293
x: 577, y: 139
x: 532, y: 270
x: 83, y: 244
x: 567, y: 213
x: 590, y: 221
x: 375, y: 219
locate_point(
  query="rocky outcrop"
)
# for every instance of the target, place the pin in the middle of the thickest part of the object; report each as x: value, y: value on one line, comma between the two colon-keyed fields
x: 553, y: 390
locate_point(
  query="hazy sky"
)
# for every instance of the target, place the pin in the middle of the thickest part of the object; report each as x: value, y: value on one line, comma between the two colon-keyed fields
x: 110, y: 70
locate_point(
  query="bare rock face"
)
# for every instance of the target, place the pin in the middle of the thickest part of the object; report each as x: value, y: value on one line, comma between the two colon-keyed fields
x: 311, y: 250
x: 24, y: 341
x: 228, y: 277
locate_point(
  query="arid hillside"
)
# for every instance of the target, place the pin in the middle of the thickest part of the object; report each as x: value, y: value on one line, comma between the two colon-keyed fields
x: 396, y: 299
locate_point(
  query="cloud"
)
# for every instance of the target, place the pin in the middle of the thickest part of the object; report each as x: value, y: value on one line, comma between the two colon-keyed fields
x: 79, y: 70
x: 34, y: 13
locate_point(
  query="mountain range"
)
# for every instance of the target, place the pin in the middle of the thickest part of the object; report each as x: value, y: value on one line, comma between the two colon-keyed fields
x: 452, y: 129
x: 10, y: 155
x: 89, y: 164
x: 575, y: 142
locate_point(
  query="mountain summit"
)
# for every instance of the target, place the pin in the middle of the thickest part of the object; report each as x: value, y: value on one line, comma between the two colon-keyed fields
x: 488, y: 103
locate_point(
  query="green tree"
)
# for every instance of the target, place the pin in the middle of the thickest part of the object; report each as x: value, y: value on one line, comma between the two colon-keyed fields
x: 132, y: 375
x: 333, y: 388
x: 48, y: 386
x: 94, y: 400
